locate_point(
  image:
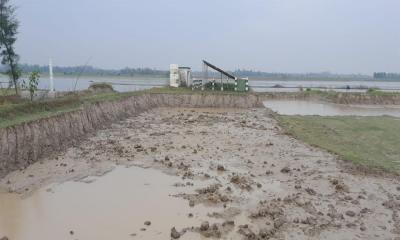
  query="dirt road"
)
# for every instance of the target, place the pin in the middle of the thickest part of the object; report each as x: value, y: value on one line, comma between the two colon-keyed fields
x: 257, y: 182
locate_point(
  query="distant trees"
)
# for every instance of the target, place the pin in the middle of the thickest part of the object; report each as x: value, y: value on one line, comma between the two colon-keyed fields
x: 8, y: 32
x: 75, y: 70
x: 384, y: 75
x: 299, y: 76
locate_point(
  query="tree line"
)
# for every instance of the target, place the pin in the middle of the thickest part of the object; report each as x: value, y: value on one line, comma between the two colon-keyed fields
x: 318, y: 75
x: 286, y: 76
x: 385, y: 75
x: 90, y: 70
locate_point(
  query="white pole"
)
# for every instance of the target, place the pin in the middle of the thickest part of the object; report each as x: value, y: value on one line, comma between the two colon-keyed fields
x: 51, y: 75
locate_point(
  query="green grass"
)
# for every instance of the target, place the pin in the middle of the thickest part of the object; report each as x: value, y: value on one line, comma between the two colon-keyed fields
x: 183, y: 90
x: 101, y: 85
x: 25, y: 111
x: 331, y: 93
x: 369, y: 141
x: 377, y: 92
x: 6, y: 91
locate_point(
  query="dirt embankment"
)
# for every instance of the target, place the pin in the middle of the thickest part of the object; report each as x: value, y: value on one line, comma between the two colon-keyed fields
x: 24, y: 144
x: 339, y: 98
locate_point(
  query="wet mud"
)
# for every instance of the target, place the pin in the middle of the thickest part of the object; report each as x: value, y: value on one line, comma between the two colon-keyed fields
x: 219, y: 173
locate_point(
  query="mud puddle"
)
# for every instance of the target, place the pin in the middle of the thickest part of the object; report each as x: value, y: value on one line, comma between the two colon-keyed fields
x: 290, y: 107
x: 115, y: 206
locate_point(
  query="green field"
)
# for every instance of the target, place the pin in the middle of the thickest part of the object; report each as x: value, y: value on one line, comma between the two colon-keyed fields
x: 369, y: 141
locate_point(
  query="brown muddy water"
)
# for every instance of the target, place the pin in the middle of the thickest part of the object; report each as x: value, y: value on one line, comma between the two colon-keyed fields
x: 296, y: 107
x: 114, y: 206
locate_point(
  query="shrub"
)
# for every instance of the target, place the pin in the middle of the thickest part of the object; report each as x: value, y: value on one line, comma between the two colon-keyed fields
x: 101, y: 87
x: 32, y: 84
x: 217, y: 86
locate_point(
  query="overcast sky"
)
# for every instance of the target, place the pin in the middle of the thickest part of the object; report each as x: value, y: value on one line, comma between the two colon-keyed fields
x: 341, y: 36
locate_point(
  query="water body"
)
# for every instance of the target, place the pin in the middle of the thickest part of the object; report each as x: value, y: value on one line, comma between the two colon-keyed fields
x: 339, y: 86
x: 114, y: 206
x: 121, y: 84
x: 294, y: 107
x: 136, y: 83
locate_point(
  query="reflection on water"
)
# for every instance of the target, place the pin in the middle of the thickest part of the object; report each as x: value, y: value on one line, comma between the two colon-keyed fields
x: 295, y: 107
x: 113, y: 207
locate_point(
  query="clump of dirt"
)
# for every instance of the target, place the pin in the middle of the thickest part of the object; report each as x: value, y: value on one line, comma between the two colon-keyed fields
x: 215, y: 230
x: 246, y: 232
x: 220, y: 168
x: 227, y: 214
x: 242, y: 182
x: 286, y: 170
x: 207, y: 195
x: 272, y: 210
x: 339, y: 185
x: 175, y: 234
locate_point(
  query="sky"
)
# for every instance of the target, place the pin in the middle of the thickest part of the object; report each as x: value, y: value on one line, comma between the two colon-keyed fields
x: 297, y: 36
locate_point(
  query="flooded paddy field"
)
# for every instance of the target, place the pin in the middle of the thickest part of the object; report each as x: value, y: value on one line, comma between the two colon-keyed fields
x: 302, y: 107
x: 196, y: 174
x: 337, y: 85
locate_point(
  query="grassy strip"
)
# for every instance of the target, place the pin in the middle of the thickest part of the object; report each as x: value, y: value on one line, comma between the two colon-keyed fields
x: 13, y: 114
x: 369, y: 141
x: 331, y: 93
x: 182, y: 90
x: 26, y: 111
x: 6, y: 91
x: 377, y: 92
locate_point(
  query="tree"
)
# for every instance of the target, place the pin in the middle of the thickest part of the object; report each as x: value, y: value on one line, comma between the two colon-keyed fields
x: 32, y: 84
x: 8, y: 31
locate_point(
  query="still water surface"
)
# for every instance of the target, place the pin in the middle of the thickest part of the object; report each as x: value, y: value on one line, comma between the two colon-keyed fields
x: 114, y: 206
x: 339, y: 86
x: 121, y: 84
x: 295, y: 107
x: 136, y: 83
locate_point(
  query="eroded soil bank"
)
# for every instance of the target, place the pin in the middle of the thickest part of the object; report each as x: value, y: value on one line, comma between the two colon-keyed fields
x: 254, y: 181
x: 24, y: 144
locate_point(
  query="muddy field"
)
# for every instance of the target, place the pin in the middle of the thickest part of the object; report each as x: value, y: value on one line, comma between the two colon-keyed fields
x: 234, y: 171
